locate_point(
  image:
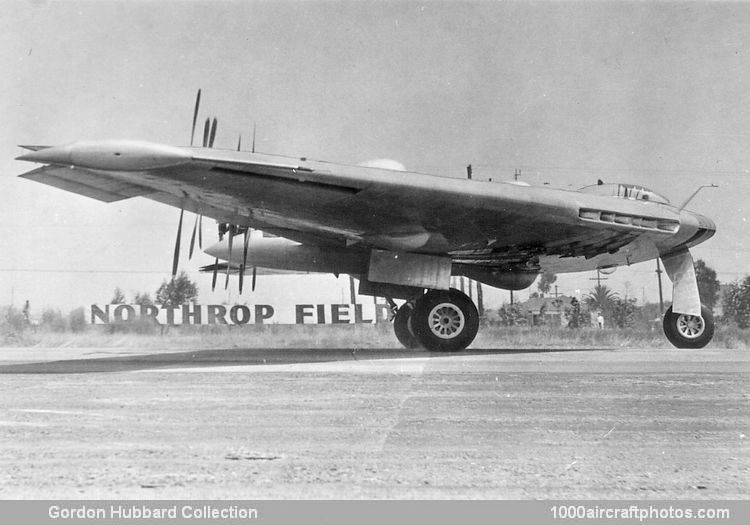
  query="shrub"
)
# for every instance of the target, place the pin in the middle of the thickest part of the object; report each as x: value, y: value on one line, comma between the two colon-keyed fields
x: 140, y: 325
x: 53, y: 320
x: 737, y: 303
x: 77, y: 320
x: 13, y: 320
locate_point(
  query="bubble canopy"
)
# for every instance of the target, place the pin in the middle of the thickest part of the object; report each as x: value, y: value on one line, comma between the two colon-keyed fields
x: 625, y: 191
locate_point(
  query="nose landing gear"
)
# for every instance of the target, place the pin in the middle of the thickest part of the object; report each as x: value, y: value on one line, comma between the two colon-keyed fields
x: 689, y: 331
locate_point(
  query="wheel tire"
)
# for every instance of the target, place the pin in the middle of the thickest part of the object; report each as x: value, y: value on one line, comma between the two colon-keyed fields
x: 689, y: 331
x: 445, y: 321
x: 401, y: 326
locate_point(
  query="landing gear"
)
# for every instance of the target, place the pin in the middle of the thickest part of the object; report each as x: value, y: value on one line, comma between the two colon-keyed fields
x: 689, y: 331
x: 401, y: 322
x: 440, y: 320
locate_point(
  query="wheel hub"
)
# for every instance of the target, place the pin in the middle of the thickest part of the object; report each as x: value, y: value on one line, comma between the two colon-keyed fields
x: 690, y: 326
x: 446, y: 321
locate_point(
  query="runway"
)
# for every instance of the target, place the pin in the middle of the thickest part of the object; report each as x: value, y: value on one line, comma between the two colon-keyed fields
x: 304, y: 423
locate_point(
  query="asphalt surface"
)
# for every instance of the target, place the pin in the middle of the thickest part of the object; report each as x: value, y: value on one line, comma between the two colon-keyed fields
x: 300, y: 423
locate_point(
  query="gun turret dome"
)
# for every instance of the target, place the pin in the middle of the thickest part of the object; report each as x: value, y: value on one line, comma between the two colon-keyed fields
x: 385, y: 164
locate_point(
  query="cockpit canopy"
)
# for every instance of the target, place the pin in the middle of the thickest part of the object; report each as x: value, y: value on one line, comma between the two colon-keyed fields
x: 625, y: 191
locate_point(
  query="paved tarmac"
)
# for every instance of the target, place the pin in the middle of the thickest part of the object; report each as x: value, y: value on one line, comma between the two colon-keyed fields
x: 302, y: 423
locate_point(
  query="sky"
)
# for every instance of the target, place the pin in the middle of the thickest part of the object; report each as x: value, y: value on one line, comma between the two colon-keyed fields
x: 650, y: 93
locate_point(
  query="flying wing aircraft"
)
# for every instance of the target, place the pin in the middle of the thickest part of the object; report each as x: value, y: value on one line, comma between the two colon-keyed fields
x: 402, y: 234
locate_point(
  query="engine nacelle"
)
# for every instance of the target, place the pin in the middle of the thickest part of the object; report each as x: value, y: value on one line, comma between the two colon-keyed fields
x: 500, y: 279
x: 286, y: 255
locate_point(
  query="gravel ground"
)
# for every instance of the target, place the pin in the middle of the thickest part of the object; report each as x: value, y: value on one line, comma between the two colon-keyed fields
x: 297, y: 423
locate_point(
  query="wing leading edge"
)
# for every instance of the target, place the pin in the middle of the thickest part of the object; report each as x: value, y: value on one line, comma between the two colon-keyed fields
x: 475, y: 222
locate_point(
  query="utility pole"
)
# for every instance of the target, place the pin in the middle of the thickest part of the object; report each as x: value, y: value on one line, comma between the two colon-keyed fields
x: 352, y: 293
x: 661, y: 296
x: 511, y: 297
x: 556, y: 292
x: 599, y: 278
x: 468, y: 172
x: 517, y: 174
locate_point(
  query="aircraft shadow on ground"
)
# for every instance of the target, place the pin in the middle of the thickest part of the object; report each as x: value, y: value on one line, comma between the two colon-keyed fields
x: 243, y: 357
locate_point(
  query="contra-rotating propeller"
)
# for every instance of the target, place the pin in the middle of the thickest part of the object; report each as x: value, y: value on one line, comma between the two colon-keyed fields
x: 209, y: 137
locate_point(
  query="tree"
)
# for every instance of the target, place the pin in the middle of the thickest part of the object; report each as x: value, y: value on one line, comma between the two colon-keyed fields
x: 53, y: 320
x: 77, y: 320
x: 541, y: 319
x: 178, y: 291
x: 545, y: 282
x: 622, y: 312
x: 118, y: 297
x: 708, y: 284
x: 737, y: 303
x: 510, y: 315
x: 601, y: 298
x: 143, y: 299
x: 575, y: 316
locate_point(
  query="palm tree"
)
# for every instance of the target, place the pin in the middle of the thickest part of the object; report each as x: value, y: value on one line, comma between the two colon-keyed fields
x: 600, y: 299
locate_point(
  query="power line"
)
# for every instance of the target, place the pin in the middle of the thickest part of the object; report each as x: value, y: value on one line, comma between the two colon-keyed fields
x: 42, y: 270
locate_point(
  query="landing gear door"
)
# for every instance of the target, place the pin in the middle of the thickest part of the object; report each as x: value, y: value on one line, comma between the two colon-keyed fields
x: 685, y: 296
x: 410, y: 269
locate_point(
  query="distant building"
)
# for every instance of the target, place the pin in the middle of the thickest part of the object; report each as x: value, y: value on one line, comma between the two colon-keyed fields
x: 546, y: 310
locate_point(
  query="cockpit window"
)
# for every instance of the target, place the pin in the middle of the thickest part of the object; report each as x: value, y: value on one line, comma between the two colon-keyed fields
x: 626, y: 191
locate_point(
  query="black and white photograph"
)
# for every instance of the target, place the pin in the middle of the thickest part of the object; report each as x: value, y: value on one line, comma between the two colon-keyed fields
x: 433, y: 251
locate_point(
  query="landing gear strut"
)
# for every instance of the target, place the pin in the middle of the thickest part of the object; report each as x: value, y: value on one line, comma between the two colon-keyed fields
x: 439, y: 320
x: 689, y: 331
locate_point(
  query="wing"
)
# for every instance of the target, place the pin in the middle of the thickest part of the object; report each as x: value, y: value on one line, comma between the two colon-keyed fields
x: 87, y: 183
x: 487, y: 224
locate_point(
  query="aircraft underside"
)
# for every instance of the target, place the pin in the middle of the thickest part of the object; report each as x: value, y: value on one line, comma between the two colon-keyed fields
x: 435, y: 316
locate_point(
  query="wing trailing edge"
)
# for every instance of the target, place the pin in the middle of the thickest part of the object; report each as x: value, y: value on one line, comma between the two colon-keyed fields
x: 86, y: 183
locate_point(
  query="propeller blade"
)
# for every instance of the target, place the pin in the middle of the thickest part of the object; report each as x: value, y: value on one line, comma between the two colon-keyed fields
x: 206, y: 128
x: 255, y: 270
x: 192, y: 237
x: 244, y: 257
x: 200, y: 231
x: 177, y: 244
x: 195, y: 116
x: 216, y: 272
x: 244, y: 248
x: 229, y: 259
x: 213, y: 134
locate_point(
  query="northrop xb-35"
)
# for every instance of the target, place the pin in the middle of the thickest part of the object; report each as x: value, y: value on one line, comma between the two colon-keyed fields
x: 402, y: 234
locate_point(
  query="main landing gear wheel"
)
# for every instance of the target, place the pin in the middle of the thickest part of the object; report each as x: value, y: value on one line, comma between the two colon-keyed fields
x: 689, y: 331
x: 401, y: 326
x: 445, y: 321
